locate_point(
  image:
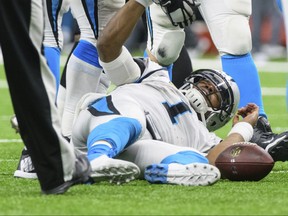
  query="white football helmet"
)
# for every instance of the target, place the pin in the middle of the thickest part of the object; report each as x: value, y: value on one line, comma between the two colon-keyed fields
x: 224, y: 88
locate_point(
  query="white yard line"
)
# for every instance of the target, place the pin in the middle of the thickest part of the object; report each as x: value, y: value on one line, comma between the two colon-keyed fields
x: 266, y: 66
x: 273, y: 91
x: 265, y: 90
x: 279, y: 171
x: 3, y: 84
x: 8, y: 160
x: 198, y: 63
x: 10, y: 141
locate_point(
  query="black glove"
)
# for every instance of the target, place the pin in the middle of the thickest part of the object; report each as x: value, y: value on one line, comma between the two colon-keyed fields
x: 180, y: 12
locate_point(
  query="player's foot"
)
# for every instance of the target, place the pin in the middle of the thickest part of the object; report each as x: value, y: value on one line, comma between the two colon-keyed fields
x: 113, y: 170
x: 81, y: 175
x: 14, y: 123
x: 25, y: 167
x: 195, y: 174
x: 275, y: 144
x: 263, y: 125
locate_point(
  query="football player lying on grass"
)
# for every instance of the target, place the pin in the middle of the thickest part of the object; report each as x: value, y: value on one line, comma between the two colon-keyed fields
x: 146, y: 127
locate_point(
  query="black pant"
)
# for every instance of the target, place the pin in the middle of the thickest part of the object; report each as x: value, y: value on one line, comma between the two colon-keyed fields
x: 32, y: 89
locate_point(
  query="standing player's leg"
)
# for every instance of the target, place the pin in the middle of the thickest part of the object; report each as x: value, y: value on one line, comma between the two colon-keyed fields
x: 53, y: 44
x: 182, y: 65
x: 182, y: 68
x: 84, y: 73
x: 82, y: 76
x: 53, y: 35
x: 32, y: 90
x: 227, y: 22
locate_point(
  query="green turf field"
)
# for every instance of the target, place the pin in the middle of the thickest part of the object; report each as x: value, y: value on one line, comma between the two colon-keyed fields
x: 266, y: 197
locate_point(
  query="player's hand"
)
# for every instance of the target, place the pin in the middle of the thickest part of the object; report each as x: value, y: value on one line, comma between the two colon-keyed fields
x: 180, y: 12
x: 249, y: 114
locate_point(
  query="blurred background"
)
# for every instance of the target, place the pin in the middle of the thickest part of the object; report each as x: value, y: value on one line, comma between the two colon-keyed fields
x: 267, y: 27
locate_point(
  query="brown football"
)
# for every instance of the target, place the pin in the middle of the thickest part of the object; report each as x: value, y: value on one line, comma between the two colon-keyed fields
x: 244, y: 161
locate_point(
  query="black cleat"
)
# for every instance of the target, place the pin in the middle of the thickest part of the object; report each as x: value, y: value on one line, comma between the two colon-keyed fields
x: 275, y: 144
x: 263, y: 125
x: 25, y: 168
x: 81, y: 176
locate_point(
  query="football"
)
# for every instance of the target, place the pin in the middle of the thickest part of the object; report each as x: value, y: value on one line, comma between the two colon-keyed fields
x: 244, y: 161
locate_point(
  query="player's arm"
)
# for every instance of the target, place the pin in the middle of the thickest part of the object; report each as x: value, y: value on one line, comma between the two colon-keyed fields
x: 115, y: 59
x: 241, y: 131
x: 118, y: 29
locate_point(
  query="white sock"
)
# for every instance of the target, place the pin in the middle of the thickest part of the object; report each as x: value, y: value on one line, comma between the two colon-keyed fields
x: 81, y: 78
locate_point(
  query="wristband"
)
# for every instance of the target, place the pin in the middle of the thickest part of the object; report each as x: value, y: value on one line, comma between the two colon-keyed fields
x: 244, y: 129
x: 145, y: 3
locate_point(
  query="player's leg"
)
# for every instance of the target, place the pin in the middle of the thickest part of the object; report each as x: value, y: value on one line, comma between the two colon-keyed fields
x: 52, y: 54
x: 82, y: 76
x: 62, y: 87
x: 182, y: 68
x: 83, y: 69
x: 53, y: 43
x: 102, y: 133
x: 53, y: 36
x: 228, y: 21
x: 164, y: 41
x: 164, y: 163
x: 105, y: 142
x: 32, y: 89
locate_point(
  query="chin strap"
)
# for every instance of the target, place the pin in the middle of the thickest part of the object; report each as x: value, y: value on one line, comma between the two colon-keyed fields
x: 203, y: 118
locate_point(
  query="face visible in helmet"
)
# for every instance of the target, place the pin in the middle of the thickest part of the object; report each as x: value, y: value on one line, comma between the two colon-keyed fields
x: 213, y: 95
x: 208, y: 89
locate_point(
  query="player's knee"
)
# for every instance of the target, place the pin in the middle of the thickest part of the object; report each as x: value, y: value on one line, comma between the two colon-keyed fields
x: 237, y: 39
x: 170, y: 47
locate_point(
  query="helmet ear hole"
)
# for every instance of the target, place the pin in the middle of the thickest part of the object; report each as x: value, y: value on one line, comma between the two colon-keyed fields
x: 213, y: 124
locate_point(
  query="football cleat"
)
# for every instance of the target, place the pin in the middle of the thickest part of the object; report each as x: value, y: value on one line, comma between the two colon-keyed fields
x: 25, y: 167
x: 263, y: 125
x: 81, y: 175
x: 194, y: 174
x: 14, y: 123
x: 275, y: 144
x: 113, y: 170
